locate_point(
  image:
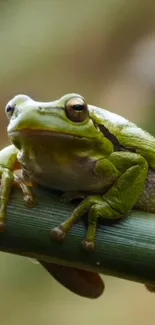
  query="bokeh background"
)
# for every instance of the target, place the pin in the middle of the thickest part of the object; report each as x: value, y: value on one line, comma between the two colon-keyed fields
x: 104, y: 50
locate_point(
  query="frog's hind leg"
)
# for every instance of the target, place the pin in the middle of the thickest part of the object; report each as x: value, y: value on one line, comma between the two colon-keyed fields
x: 116, y: 202
x: 7, y: 178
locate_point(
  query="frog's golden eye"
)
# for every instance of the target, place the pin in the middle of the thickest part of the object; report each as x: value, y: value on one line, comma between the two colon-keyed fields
x: 76, y: 109
x: 9, y: 110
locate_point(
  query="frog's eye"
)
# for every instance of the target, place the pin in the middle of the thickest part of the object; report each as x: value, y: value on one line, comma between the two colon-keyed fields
x: 9, y: 110
x: 76, y: 109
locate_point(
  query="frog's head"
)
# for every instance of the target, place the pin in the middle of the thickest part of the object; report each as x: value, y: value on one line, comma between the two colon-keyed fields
x: 70, y: 115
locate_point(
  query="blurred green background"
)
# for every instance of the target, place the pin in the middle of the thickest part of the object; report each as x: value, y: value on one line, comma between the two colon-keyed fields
x: 105, y: 50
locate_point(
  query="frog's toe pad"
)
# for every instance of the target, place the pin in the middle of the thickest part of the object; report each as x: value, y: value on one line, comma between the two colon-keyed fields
x: 58, y: 233
x: 88, y: 245
x: 29, y: 201
x: 2, y: 226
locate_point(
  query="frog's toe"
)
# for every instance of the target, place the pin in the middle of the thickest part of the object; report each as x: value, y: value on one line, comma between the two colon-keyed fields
x: 29, y: 201
x: 2, y: 226
x: 58, y: 234
x: 88, y: 245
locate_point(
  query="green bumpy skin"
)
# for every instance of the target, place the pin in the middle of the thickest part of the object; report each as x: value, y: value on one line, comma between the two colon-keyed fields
x: 82, y: 150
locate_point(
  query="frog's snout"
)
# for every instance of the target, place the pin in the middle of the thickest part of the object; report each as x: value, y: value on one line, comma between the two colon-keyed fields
x: 11, y: 105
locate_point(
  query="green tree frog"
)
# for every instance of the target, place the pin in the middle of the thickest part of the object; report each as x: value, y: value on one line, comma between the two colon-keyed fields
x: 85, y: 152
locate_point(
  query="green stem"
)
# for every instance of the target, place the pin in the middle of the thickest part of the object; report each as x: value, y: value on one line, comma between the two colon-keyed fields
x: 124, y: 249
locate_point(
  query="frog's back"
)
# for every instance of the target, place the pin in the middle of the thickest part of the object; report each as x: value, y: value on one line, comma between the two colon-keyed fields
x: 127, y: 133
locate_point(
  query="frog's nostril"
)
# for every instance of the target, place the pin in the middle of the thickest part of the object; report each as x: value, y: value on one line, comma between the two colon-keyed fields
x: 9, y: 108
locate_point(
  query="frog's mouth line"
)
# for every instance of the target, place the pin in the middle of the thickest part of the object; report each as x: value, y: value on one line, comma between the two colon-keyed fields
x: 28, y: 132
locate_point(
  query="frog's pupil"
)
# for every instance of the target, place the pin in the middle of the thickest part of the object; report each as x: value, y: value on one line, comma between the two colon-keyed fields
x: 78, y: 107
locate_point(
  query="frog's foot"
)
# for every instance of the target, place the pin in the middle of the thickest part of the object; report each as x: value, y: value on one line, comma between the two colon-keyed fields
x: 58, y: 233
x: 70, y: 196
x: 88, y: 245
x: 27, y: 193
x: 86, y: 206
x: 29, y: 201
x: 95, y: 207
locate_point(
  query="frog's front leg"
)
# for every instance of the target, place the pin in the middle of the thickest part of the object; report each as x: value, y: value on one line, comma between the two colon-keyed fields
x: 7, y: 179
x: 6, y: 185
x: 27, y: 193
x: 116, y: 202
x: 8, y: 164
